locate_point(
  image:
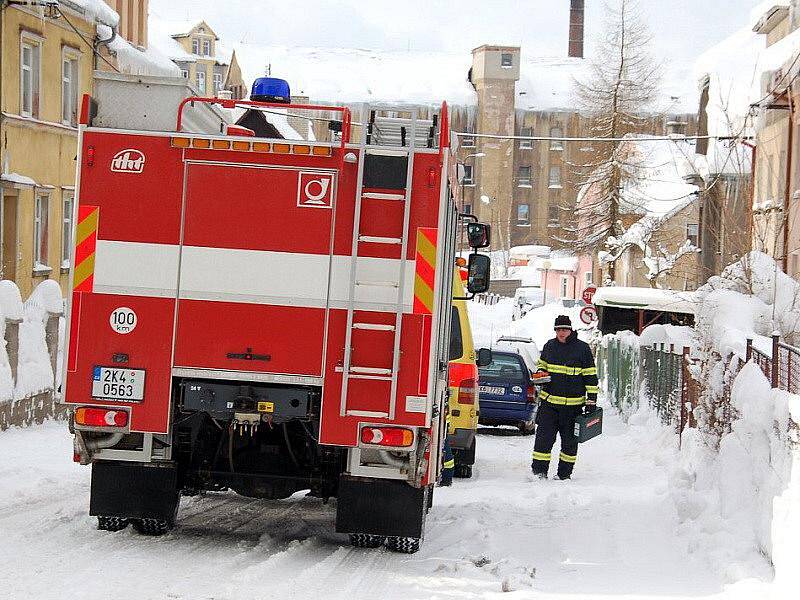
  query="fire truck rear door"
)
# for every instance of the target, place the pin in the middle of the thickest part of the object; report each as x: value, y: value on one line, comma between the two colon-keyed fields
x: 254, y: 269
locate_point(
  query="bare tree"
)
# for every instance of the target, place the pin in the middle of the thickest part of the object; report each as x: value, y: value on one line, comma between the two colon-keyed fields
x: 617, y: 97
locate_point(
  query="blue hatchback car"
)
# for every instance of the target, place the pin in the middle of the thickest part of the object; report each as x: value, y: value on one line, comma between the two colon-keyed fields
x: 507, y: 393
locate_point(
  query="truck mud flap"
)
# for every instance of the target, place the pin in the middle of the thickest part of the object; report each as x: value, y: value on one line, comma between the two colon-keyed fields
x: 134, y: 491
x: 384, y: 507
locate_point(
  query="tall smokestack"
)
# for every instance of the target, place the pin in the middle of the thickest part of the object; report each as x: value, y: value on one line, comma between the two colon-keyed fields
x: 576, y: 29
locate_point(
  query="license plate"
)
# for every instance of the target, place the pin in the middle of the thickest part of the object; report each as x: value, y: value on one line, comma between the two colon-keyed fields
x: 488, y: 389
x: 124, y: 385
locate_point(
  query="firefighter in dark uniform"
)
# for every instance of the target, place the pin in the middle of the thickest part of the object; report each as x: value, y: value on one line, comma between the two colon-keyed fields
x: 572, y: 390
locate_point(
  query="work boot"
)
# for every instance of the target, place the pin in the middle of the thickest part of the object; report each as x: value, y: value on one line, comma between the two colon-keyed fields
x: 562, y: 477
x: 539, y: 474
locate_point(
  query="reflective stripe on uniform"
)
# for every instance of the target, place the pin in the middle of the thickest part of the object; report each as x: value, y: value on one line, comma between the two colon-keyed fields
x: 565, y: 370
x: 562, y: 400
x: 541, y: 455
x: 450, y: 464
x: 592, y: 389
x: 567, y: 458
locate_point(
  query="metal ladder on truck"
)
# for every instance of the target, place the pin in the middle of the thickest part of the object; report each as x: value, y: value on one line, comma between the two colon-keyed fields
x: 382, y: 138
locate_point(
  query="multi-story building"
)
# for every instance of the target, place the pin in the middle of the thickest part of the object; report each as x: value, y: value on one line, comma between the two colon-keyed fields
x: 133, y: 16
x: 195, y: 48
x: 45, y: 67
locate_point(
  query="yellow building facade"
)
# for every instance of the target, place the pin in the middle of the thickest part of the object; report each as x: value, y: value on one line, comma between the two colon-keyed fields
x: 46, y: 68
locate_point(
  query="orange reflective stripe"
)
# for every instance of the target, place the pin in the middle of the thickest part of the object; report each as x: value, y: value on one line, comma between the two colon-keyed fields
x: 425, y: 276
x: 85, y: 246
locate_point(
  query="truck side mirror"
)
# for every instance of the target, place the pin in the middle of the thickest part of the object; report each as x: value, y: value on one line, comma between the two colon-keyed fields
x: 484, y: 357
x: 478, y: 273
x: 479, y: 235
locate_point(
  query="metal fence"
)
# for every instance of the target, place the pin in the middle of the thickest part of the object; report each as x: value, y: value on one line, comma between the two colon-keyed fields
x: 781, y: 366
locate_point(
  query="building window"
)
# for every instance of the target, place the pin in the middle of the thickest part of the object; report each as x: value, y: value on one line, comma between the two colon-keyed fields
x: 469, y: 175
x: 556, y: 132
x: 185, y: 73
x: 206, y: 48
x: 468, y: 209
x: 69, y: 90
x: 526, y: 144
x: 201, y: 81
x: 40, y: 230
x: 506, y: 60
x: 552, y: 214
x: 217, y: 82
x: 587, y: 278
x: 554, y: 181
x: 523, y: 214
x: 564, y: 286
x: 66, y: 229
x: 30, y: 61
x: 195, y: 46
x: 524, y: 176
x: 467, y: 141
x: 693, y: 234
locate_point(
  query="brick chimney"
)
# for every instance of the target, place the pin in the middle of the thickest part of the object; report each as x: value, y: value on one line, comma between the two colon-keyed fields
x: 576, y: 29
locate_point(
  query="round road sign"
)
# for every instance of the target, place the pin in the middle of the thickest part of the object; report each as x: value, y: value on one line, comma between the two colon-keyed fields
x: 588, y: 315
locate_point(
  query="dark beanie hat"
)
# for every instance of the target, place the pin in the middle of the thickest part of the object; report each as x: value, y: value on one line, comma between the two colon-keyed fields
x: 563, y: 322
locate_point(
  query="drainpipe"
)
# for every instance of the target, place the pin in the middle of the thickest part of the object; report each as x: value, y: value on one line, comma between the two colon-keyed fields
x: 104, y: 44
x: 788, y: 187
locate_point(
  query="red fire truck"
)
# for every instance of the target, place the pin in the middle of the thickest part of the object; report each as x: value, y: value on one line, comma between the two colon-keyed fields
x: 264, y: 316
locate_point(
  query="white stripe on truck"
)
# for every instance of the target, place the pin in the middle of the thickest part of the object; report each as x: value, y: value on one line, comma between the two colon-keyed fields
x: 247, y: 276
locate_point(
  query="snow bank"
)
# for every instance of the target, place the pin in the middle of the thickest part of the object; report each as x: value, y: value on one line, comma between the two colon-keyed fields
x: 35, y: 370
x: 729, y: 494
x: 681, y: 337
x: 751, y: 298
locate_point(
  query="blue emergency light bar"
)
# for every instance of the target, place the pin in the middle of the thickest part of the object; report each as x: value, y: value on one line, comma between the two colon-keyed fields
x: 271, y: 89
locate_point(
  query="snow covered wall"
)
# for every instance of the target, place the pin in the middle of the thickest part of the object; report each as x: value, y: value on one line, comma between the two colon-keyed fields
x: 31, y: 334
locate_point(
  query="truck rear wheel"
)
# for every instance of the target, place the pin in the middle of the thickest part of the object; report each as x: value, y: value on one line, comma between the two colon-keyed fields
x: 152, y: 526
x: 364, y: 540
x: 111, y: 523
x: 404, y: 545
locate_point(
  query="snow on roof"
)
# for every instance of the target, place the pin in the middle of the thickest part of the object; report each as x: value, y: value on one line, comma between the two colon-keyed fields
x: 735, y: 68
x: 350, y: 75
x: 529, y: 251
x: 658, y: 184
x: 557, y: 261
x: 17, y: 179
x: 133, y: 61
x: 98, y: 11
x: 648, y: 298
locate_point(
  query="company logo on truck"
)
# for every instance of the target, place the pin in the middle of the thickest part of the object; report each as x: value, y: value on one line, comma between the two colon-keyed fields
x: 128, y: 161
x: 315, y: 190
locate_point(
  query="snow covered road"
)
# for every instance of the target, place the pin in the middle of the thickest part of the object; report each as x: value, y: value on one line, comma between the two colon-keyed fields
x: 609, y: 532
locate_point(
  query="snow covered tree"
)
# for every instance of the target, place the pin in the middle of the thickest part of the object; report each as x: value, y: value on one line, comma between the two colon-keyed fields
x: 620, y: 88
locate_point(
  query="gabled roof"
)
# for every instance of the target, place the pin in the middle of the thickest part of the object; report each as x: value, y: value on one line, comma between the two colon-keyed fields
x: 187, y: 28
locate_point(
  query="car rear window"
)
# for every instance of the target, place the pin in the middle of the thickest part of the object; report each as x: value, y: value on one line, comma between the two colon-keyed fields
x: 456, y: 343
x: 503, y: 367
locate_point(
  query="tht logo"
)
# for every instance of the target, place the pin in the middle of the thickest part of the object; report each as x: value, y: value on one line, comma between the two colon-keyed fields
x: 128, y: 161
x: 315, y: 190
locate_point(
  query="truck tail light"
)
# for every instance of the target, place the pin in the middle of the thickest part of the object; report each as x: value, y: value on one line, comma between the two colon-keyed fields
x: 531, y: 394
x: 101, y: 417
x: 398, y: 437
x: 467, y: 391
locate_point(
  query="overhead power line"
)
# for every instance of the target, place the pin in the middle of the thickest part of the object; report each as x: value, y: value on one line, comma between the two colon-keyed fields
x: 542, y: 138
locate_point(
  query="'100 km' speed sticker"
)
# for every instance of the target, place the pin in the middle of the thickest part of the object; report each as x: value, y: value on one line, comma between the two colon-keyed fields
x: 123, y: 320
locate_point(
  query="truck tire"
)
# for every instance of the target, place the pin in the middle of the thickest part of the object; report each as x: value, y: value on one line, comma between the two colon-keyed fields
x: 111, y: 523
x: 152, y: 527
x: 404, y: 545
x: 463, y: 471
x: 364, y: 540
